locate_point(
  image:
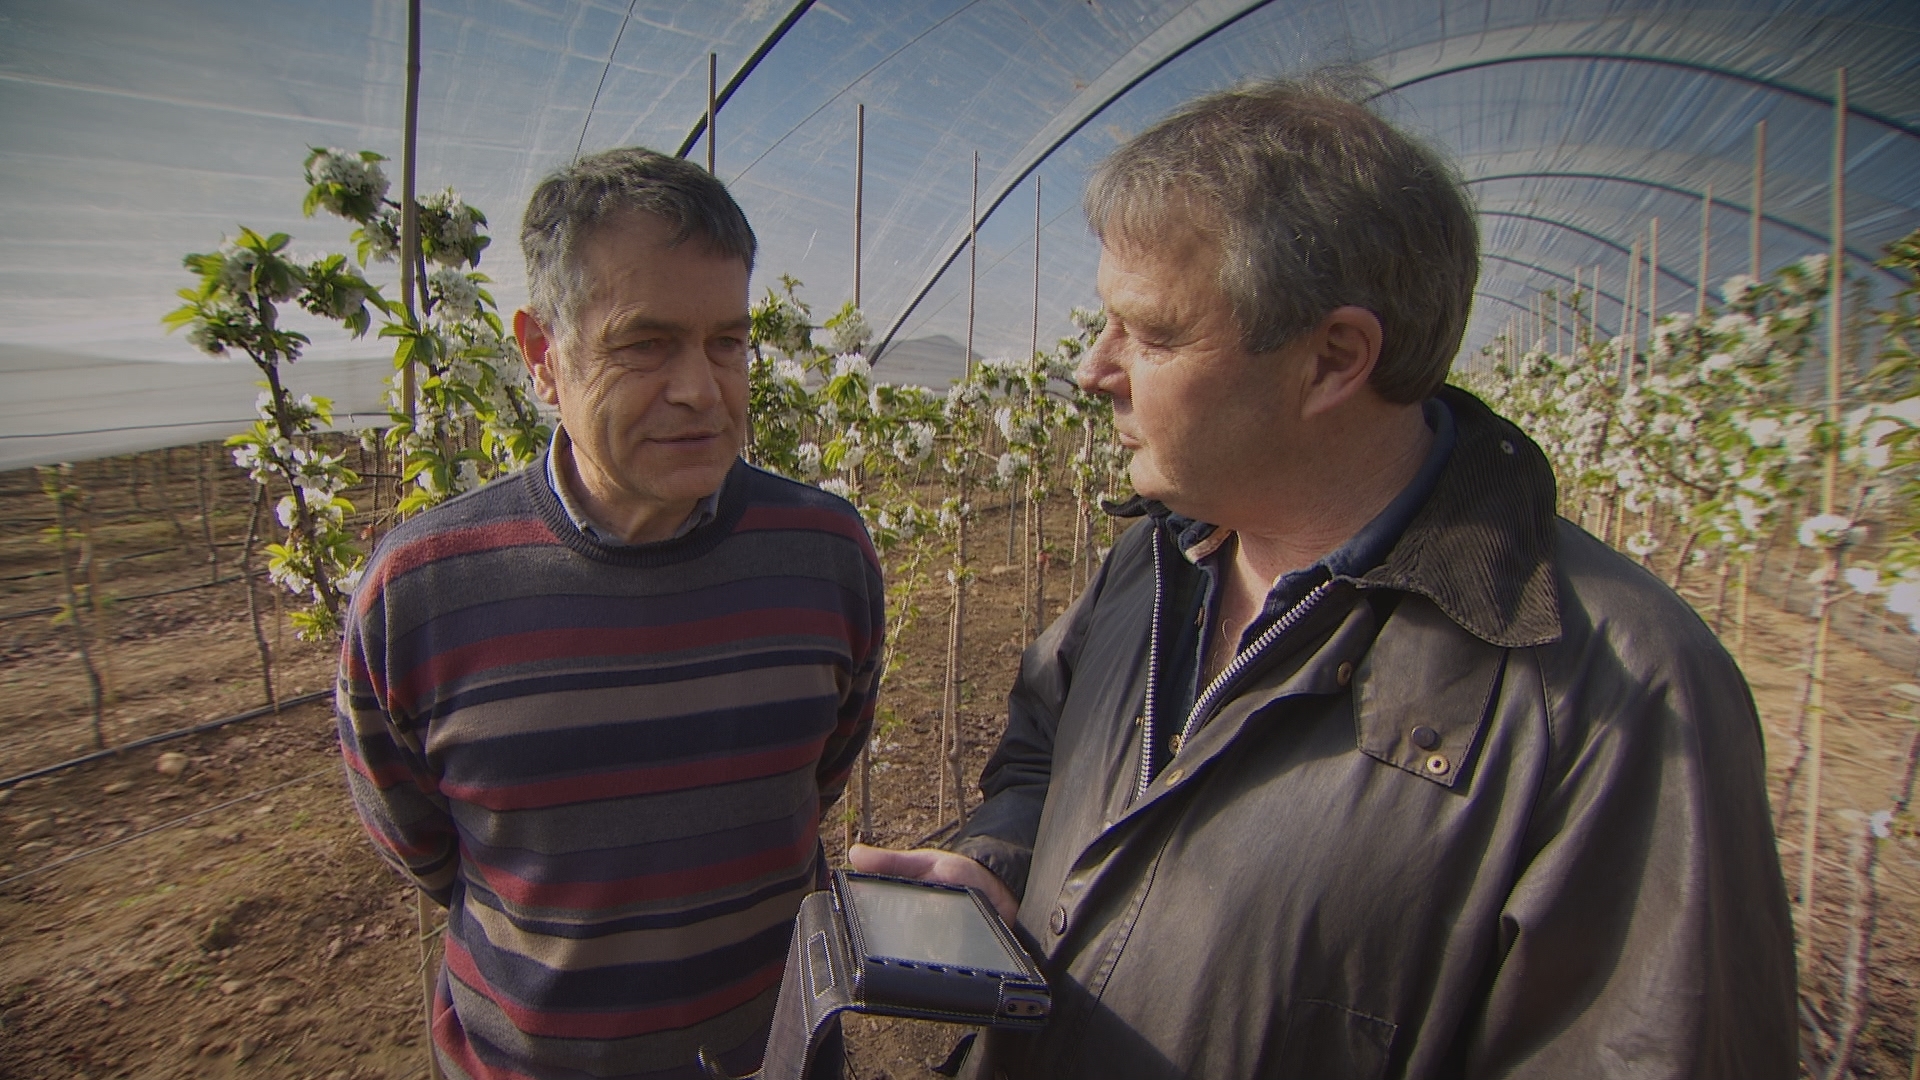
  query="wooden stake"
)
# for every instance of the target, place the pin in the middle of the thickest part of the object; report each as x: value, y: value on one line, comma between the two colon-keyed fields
x: 1630, y: 315
x: 1836, y: 290
x: 423, y: 925
x: 1700, y: 286
x: 1036, y: 265
x: 1740, y: 613
x: 1817, y: 675
x: 1653, y: 287
x: 1759, y: 193
x: 409, y: 211
x: 859, y: 190
x: 973, y: 257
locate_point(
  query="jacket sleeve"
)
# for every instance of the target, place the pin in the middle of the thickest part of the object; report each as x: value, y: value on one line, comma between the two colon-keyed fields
x: 1001, y: 833
x: 867, y: 624
x: 1647, y: 933
x: 394, y: 789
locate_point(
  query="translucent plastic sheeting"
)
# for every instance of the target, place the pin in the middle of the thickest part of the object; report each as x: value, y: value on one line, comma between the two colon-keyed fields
x: 131, y: 134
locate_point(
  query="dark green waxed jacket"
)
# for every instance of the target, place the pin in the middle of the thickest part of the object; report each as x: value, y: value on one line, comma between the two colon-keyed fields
x: 1496, y: 808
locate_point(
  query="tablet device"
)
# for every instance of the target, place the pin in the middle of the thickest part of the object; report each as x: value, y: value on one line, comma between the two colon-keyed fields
x: 895, y: 947
x: 939, y: 952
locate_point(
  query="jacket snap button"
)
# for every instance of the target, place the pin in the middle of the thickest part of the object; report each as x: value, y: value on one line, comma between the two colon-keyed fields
x: 1426, y: 738
x: 1506, y: 447
x: 1437, y: 765
x: 1174, y: 777
x: 1058, y: 920
x: 1343, y: 674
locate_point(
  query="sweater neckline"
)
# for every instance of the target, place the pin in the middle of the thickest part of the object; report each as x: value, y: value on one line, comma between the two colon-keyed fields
x: 700, y: 541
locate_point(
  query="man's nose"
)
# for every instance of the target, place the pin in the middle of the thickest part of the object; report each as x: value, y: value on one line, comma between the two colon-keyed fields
x: 691, y: 381
x: 1096, y: 365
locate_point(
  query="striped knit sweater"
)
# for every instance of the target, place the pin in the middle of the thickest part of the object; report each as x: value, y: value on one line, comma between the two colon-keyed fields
x: 610, y: 764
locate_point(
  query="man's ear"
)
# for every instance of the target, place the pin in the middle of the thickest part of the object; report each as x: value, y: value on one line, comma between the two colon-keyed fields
x: 536, y: 348
x: 1346, y: 350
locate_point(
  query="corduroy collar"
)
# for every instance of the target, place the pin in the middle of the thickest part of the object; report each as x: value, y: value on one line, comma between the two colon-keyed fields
x: 1482, y: 547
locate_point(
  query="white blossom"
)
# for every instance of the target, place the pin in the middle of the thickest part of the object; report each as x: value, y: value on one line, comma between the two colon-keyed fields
x: 852, y: 364
x: 1904, y: 598
x: 1824, y: 531
x: 456, y: 296
x: 350, y: 171
x: 788, y: 371
x: 1880, y: 824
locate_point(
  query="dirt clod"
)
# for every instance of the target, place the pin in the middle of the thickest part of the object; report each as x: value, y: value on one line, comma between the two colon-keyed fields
x: 171, y: 763
x: 271, y: 1005
x: 35, y: 829
x: 233, y: 986
x: 118, y: 787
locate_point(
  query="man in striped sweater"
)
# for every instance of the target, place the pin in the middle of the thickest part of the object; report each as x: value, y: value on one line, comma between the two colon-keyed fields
x: 597, y: 708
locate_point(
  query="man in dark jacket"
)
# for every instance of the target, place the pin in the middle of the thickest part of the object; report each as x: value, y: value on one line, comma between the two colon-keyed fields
x: 1356, y: 760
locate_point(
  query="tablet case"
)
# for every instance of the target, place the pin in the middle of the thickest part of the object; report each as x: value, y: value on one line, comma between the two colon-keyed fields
x: 829, y: 973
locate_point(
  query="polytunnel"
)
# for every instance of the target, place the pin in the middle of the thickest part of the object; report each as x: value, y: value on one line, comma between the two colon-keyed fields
x: 131, y: 135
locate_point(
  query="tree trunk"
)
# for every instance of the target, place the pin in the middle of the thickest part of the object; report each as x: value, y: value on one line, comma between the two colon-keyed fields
x: 55, y: 485
x: 253, y: 598
x: 1816, y: 722
x: 161, y: 485
x: 1680, y: 565
x: 303, y: 518
x: 950, y: 702
x: 208, y: 497
x: 1720, y: 593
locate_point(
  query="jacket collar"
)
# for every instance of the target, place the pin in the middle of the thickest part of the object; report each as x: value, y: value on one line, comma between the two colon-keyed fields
x: 1482, y: 546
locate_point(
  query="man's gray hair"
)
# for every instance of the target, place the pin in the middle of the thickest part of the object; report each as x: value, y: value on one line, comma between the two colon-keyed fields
x: 572, y: 202
x: 1314, y: 202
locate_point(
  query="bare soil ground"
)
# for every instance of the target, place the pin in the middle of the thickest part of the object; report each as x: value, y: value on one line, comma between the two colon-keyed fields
x: 233, y: 921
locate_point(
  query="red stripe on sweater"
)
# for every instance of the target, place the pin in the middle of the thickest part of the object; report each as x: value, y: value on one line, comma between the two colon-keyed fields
x: 601, y: 895
x: 576, y: 643
x: 514, y: 532
x: 380, y: 778
x: 806, y: 520
x: 451, y: 1037
x: 621, y: 1024
x: 677, y: 776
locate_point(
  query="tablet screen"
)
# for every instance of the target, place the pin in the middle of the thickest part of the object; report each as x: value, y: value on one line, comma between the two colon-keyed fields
x: 902, y: 921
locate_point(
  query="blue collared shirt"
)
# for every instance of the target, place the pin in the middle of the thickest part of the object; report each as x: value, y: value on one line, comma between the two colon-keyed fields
x: 1366, y: 549
x: 703, y: 512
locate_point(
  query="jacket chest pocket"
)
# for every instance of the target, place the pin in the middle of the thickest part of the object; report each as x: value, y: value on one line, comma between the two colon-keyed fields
x: 1324, y: 1040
